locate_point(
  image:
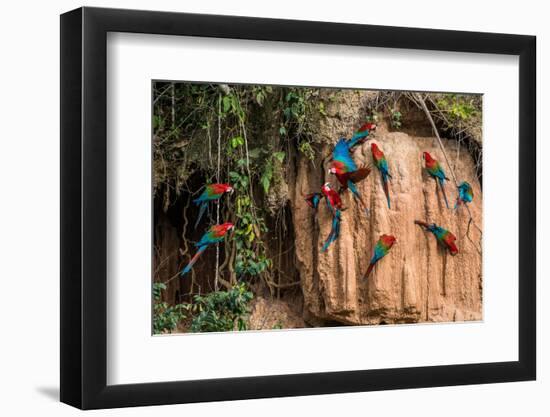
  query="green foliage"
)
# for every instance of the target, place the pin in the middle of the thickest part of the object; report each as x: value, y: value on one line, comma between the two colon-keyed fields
x: 260, y: 93
x: 307, y: 150
x: 297, y: 107
x: 322, y: 109
x: 295, y: 110
x: 395, y: 119
x: 458, y: 107
x: 187, y: 121
x: 165, y: 316
x: 221, y: 311
x: 267, y: 175
x: 373, y: 117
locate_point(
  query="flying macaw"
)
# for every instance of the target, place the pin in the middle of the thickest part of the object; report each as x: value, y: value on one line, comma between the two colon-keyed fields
x: 211, y: 192
x: 360, y: 136
x: 436, y: 171
x: 444, y: 237
x: 313, y: 199
x: 382, y: 165
x: 214, y: 235
x: 346, y: 171
x: 334, y: 203
x: 465, y: 194
x: 380, y: 250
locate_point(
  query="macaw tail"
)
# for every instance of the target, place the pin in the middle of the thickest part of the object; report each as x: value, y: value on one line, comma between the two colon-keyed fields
x: 202, y: 209
x: 453, y: 249
x: 369, y: 270
x: 357, y: 196
x: 458, y: 201
x: 386, y: 188
x: 440, y: 182
x: 421, y: 223
x: 193, y: 260
x: 334, y: 231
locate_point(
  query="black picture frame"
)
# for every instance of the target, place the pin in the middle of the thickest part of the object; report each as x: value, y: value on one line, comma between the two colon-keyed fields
x: 84, y: 207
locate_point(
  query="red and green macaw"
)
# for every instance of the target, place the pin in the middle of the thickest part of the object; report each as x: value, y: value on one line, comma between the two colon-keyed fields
x: 212, y: 192
x: 214, y: 235
x: 381, y: 249
x: 313, y: 199
x: 360, y: 136
x: 334, y: 203
x: 436, y: 171
x: 465, y: 194
x: 444, y: 237
x: 382, y: 165
x: 346, y: 171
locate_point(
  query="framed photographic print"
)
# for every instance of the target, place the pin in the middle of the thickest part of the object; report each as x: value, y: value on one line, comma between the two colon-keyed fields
x: 291, y: 208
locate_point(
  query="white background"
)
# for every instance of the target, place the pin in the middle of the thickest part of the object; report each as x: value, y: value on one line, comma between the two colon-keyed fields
x: 131, y: 348
x: 29, y: 216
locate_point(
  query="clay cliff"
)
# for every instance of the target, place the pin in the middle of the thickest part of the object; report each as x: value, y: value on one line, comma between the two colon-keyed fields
x: 418, y: 281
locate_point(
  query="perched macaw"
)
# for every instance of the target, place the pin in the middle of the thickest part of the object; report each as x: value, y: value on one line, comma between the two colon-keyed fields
x: 382, y: 165
x: 380, y: 250
x: 465, y: 194
x: 436, y: 171
x: 211, y: 192
x: 334, y: 203
x: 360, y: 136
x: 444, y: 237
x: 313, y: 199
x: 214, y: 235
x: 346, y: 171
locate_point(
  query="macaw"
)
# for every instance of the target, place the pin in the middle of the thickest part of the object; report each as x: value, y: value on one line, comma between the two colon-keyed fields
x: 382, y: 165
x: 313, y: 199
x: 346, y: 171
x: 436, y: 171
x: 211, y: 192
x: 380, y: 250
x: 465, y: 194
x: 334, y: 203
x: 214, y: 235
x: 444, y: 237
x: 360, y: 136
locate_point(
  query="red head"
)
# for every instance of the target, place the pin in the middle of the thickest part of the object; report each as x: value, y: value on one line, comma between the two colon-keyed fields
x: 388, y: 240
x: 376, y: 150
x: 336, y: 168
x: 227, y: 188
x: 427, y: 157
x: 370, y: 126
x: 227, y: 226
x: 220, y: 230
x: 326, y: 187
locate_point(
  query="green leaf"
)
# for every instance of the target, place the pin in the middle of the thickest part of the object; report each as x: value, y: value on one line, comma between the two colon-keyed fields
x: 254, y: 153
x: 260, y: 98
x: 226, y: 104
x: 267, y: 175
x: 280, y: 156
x: 237, y: 141
x: 322, y: 108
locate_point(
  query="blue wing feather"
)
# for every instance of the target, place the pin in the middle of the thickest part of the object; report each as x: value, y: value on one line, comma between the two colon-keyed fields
x: 341, y: 154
